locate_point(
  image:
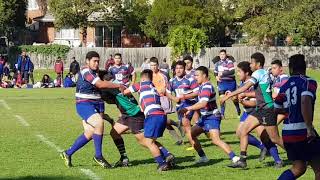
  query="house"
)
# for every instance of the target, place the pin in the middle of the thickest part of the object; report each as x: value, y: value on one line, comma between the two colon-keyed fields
x: 102, y: 34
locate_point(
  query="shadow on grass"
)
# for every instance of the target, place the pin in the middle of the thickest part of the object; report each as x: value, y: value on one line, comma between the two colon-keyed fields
x: 40, y: 178
x: 151, y: 160
x: 211, y: 162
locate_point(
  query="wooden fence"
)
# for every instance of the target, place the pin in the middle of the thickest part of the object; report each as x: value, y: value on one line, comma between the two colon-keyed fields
x: 137, y: 55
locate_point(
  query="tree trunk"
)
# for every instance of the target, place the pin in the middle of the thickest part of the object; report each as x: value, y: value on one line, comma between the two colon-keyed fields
x: 84, y: 36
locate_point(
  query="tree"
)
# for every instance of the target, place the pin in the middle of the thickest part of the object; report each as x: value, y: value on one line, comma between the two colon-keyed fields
x: 267, y: 19
x: 207, y: 15
x: 75, y: 14
x: 12, y: 16
x: 186, y: 40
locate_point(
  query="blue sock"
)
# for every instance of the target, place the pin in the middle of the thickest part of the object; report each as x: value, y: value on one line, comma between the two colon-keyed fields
x: 237, y: 107
x: 164, y: 151
x: 201, y: 153
x: 255, y: 142
x: 232, y: 155
x: 274, y: 153
x: 97, y: 139
x: 223, y: 108
x: 287, y: 175
x: 79, y: 143
x: 160, y: 160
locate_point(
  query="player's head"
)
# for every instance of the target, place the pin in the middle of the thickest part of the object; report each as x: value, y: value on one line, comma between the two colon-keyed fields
x: 154, y: 64
x: 189, y: 61
x: 223, y: 54
x: 23, y: 53
x: 297, y: 65
x: 257, y: 61
x: 202, y: 74
x: 146, y: 75
x: 180, y: 69
x: 92, y: 60
x: 117, y: 59
x: 243, y: 70
x: 276, y: 67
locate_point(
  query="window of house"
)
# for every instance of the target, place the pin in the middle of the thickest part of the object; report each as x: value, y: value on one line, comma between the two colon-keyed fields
x: 67, y: 33
x: 32, y: 5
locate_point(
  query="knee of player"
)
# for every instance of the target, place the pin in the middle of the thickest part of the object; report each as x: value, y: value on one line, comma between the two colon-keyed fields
x: 299, y: 168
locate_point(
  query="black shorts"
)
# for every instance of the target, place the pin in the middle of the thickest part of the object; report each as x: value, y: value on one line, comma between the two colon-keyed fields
x: 303, y: 150
x: 135, y: 123
x: 267, y: 116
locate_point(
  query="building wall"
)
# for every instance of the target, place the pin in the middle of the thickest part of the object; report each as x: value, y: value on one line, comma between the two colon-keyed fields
x: 33, y: 14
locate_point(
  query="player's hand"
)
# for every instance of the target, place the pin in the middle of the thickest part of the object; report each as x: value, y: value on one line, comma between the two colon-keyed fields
x: 311, y: 134
x: 122, y: 88
x: 241, y: 96
x: 220, y: 74
x: 224, y: 99
x: 218, y: 78
x: 183, y: 111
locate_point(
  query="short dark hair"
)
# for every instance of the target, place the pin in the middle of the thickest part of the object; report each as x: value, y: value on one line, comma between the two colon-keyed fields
x: 181, y: 63
x: 118, y: 54
x: 154, y: 60
x: 258, y: 58
x: 204, y: 70
x: 148, y: 73
x: 277, y: 62
x: 188, y: 57
x: 223, y: 50
x: 297, y: 63
x: 245, y: 67
x: 92, y: 54
x: 164, y: 60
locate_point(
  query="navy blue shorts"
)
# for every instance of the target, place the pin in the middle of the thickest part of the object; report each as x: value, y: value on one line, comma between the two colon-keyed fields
x: 244, y: 116
x: 303, y: 150
x: 209, y: 122
x: 225, y: 86
x: 87, y: 109
x: 189, y: 116
x: 154, y: 126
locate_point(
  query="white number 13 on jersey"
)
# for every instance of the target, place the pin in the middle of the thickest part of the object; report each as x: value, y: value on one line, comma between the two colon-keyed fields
x: 291, y: 96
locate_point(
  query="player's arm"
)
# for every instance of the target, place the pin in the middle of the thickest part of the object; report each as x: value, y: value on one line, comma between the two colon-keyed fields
x: 106, y: 84
x: 236, y: 92
x: 134, y: 77
x: 126, y: 92
x: 197, y: 106
x: 307, y: 112
x: 171, y: 97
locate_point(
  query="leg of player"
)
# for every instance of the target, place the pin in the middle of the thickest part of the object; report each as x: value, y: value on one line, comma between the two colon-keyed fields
x: 280, y: 118
x: 274, y: 135
x: 315, y: 164
x: 252, y: 140
x: 174, y: 135
x: 156, y: 153
x: 170, y: 159
x: 249, y: 124
x: 215, y: 138
x: 298, y: 169
x: 195, y: 117
x: 115, y: 133
x: 187, y: 128
x: 178, y: 125
x: 195, y: 132
x: 223, y: 106
x: 97, y: 122
x: 82, y: 140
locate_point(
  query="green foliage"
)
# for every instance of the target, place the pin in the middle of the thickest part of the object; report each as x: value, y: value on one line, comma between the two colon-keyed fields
x: 267, y: 19
x: 12, y: 16
x: 52, y: 50
x: 185, y: 39
x: 207, y: 15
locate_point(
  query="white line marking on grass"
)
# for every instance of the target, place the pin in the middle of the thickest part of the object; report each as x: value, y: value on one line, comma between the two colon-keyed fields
x: 4, y: 104
x: 22, y: 121
x: 49, y: 143
x: 90, y: 174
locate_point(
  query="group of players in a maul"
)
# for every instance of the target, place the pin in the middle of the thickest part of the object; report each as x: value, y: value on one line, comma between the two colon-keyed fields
x: 268, y: 97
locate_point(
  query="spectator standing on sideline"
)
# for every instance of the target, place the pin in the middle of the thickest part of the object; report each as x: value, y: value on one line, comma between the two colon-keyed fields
x: 74, y: 68
x: 31, y: 72
x: 109, y: 62
x: 23, y: 68
x: 58, y: 68
x: 145, y: 64
x: 2, y: 63
x: 164, y: 67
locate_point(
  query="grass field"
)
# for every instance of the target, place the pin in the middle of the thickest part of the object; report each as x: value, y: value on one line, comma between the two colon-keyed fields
x: 37, y: 123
